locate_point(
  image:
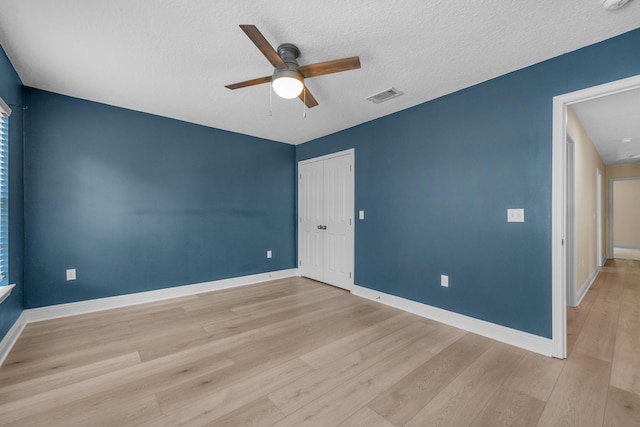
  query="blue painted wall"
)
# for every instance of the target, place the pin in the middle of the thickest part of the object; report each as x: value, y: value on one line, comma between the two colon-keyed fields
x: 137, y: 202
x: 11, y: 93
x: 436, y: 180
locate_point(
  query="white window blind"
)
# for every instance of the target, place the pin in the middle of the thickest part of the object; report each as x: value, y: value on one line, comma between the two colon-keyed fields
x: 5, y: 111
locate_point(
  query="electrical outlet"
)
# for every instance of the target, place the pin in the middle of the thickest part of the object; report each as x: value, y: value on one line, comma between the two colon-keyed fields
x: 269, y: 254
x: 444, y: 280
x: 71, y: 274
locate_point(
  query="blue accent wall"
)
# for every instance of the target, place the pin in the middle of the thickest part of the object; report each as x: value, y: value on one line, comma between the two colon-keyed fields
x: 11, y: 93
x: 436, y: 181
x: 138, y: 202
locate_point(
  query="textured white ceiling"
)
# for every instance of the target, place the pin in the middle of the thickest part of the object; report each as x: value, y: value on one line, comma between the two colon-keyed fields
x: 610, y: 119
x: 173, y: 58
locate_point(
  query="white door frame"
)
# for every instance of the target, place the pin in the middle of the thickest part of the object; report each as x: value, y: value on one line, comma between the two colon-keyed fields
x: 611, y: 209
x: 570, y: 218
x: 351, y: 151
x: 599, y: 217
x: 558, y: 203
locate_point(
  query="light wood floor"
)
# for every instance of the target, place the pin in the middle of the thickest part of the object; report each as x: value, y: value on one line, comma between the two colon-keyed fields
x: 295, y: 352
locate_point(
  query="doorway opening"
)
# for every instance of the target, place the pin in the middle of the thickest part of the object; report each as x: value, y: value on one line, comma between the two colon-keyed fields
x: 624, y: 214
x: 561, y: 221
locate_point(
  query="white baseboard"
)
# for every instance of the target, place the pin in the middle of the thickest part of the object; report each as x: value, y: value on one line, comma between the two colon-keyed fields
x: 506, y: 335
x: 12, y: 336
x: 90, y: 306
x: 585, y: 287
x: 626, y: 246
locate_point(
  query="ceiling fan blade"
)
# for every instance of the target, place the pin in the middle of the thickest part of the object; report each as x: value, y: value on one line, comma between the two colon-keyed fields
x: 261, y: 43
x: 252, y: 82
x: 328, y: 67
x: 306, y: 97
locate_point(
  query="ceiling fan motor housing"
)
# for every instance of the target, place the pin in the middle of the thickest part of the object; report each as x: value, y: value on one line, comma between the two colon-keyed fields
x: 289, y: 54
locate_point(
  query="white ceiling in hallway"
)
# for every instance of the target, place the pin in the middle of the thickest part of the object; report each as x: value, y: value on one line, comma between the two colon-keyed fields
x: 173, y: 58
x: 613, y: 124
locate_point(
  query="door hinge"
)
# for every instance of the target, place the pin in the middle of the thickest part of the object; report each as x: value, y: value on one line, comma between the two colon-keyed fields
x: 349, y: 275
x: 350, y: 168
x: 300, y: 177
x: 349, y: 221
x: 300, y: 220
x: 300, y: 263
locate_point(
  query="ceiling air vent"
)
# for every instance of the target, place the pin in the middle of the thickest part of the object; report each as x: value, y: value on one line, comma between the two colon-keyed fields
x: 385, y: 95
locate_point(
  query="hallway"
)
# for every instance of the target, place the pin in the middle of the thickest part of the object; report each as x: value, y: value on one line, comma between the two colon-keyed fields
x: 602, y: 371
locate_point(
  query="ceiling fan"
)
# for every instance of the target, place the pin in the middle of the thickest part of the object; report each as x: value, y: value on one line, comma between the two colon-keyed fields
x: 288, y: 77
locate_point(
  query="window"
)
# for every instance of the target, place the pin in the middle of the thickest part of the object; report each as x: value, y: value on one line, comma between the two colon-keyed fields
x: 5, y: 111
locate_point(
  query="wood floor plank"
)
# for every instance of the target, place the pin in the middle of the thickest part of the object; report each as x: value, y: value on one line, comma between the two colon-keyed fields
x: 401, y: 402
x: 463, y: 399
x: 598, y: 335
x: 42, y: 384
x: 301, y: 338
x: 623, y: 408
x: 365, y: 417
x: 216, y: 399
x: 625, y: 369
x: 119, y: 411
x: 259, y: 413
x: 576, y: 316
x: 509, y: 408
x: 337, y: 349
x: 320, y: 381
x: 340, y: 403
x: 244, y: 329
x: 146, y: 378
x: 579, y: 397
x: 536, y: 375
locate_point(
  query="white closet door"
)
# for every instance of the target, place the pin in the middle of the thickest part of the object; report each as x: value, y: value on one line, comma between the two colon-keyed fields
x: 338, y: 219
x: 310, y: 236
x: 326, y: 223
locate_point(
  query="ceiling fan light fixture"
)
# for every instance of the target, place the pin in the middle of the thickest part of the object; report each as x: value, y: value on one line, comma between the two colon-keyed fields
x: 287, y: 83
x: 613, y: 4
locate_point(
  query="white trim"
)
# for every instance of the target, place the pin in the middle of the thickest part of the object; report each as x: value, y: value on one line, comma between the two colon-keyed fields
x: 90, y: 306
x: 626, y: 246
x: 329, y: 156
x: 12, y: 336
x: 558, y: 204
x: 611, y: 196
x: 558, y: 219
x: 585, y: 287
x: 4, y: 108
x: 5, y: 291
x: 610, y: 217
x: 599, y: 210
x: 570, y: 218
x: 500, y: 333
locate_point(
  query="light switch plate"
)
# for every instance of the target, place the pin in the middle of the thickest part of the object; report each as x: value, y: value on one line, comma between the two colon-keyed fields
x: 71, y: 274
x: 515, y: 215
x: 269, y: 254
x: 444, y: 280
x: 361, y: 214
